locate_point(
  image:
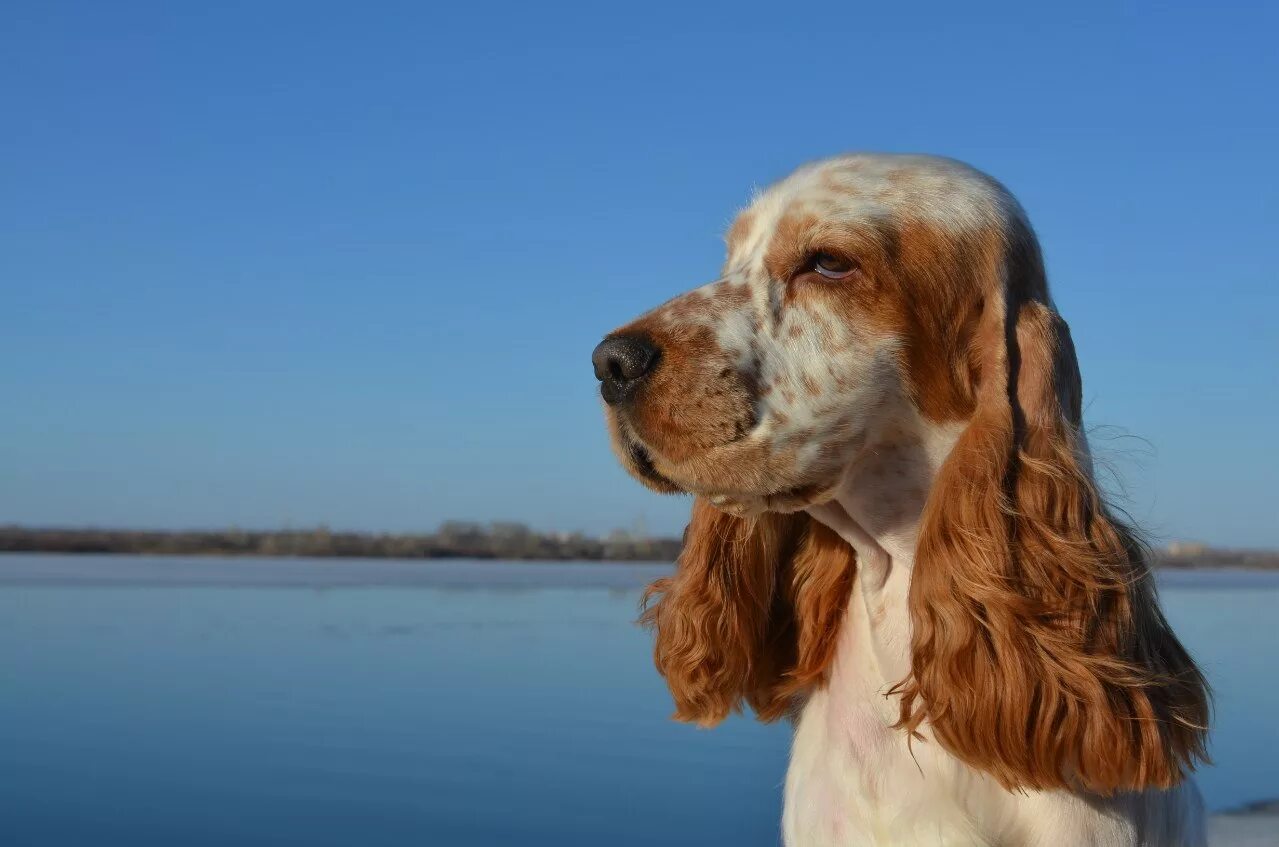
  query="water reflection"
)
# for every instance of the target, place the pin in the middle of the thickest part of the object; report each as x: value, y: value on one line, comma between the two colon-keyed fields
x: 464, y: 704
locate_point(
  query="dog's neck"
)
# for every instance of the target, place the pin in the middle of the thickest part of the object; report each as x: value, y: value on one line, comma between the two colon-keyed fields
x: 880, y: 501
x: 877, y: 509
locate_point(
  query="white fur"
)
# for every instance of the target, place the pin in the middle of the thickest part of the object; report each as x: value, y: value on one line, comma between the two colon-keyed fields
x: 853, y: 779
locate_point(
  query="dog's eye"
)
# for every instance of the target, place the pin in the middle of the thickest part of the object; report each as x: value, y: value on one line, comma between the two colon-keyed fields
x: 832, y: 267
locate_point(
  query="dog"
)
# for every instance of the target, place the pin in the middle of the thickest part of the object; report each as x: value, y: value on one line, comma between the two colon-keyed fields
x: 897, y: 539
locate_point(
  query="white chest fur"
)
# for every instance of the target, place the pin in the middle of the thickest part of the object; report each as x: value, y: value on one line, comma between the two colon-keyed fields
x: 854, y: 780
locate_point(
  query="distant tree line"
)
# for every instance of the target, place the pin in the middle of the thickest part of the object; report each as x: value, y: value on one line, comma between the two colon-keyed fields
x: 457, y: 540
x: 1183, y: 555
x: 453, y: 540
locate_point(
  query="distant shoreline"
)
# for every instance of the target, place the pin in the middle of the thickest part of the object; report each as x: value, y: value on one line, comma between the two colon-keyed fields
x: 453, y: 540
x: 457, y: 540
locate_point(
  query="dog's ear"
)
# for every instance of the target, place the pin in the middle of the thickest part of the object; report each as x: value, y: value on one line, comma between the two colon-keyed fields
x: 751, y: 613
x: 1039, y: 651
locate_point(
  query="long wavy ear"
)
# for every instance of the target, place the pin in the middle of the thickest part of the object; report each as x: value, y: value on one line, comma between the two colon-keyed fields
x: 1039, y: 652
x: 751, y: 613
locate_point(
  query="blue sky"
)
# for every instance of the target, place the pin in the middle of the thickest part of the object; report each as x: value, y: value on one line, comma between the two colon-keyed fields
x: 273, y: 263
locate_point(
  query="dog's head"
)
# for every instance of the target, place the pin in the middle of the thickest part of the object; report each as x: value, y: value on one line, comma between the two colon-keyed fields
x: 863, y: 294
x: 851, y: 283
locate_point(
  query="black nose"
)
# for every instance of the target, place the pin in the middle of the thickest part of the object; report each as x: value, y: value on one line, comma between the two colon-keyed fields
x: 621, y: 363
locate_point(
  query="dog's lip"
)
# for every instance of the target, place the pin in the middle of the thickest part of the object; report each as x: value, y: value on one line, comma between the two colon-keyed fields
x: 642, y: 465
x: 643, y: 462
x: 788, y: 500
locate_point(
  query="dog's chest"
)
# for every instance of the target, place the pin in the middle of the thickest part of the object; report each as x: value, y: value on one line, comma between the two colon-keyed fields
x: 852, y: 779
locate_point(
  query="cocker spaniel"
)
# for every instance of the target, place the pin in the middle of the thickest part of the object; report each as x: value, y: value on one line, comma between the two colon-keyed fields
x: 897, y: 539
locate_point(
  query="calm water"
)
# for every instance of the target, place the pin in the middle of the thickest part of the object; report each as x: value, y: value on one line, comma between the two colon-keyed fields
x: 206, y: 702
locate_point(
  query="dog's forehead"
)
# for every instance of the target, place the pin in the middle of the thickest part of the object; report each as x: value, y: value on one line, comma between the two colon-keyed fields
x: 941, y: 192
